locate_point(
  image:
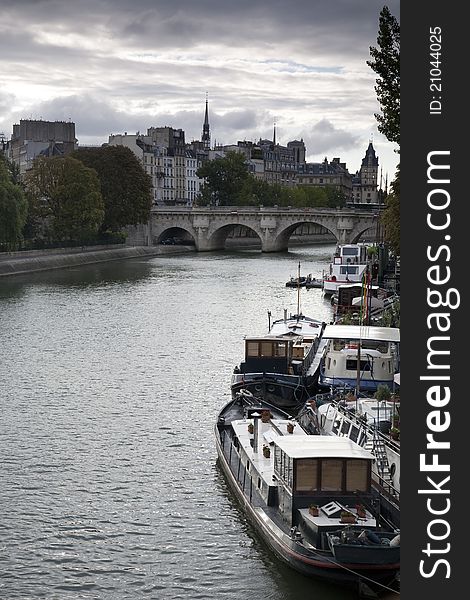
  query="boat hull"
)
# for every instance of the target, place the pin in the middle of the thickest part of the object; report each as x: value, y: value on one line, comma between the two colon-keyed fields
x: 287, y: 392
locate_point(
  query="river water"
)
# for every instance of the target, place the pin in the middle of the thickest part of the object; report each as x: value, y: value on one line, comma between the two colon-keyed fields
x: 111, y: 379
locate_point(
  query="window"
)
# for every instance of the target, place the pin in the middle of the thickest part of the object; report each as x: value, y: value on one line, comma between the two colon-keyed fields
x: 307, y: 475
x: 252, y: 349
x: 332, y: 475
x: 266, y: 349
x: 356, y: 475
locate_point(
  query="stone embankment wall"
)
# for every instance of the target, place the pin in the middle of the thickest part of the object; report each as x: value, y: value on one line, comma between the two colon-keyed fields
x: 16, y: 263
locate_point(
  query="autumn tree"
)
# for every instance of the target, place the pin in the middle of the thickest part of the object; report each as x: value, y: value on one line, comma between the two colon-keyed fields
x: 13, y: 207
x: 65, y: 197
x: 125, y: 186
x: 386, y: 64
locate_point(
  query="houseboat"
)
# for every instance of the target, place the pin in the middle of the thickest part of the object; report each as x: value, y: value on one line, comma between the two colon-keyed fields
x: 310, y: 497
x: 354, y: 355
x: 349, y: 264
x: 279, y: 367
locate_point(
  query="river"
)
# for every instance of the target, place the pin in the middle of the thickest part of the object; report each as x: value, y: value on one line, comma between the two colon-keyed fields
x: 111, y: 379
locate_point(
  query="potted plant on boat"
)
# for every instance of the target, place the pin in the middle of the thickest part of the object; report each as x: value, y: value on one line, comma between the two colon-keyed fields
x: 313, y: 510
x: 361, y: 511
x: 266, y: 416
x: 290, y: 427
x: 266, y: 451
x: 251, y: 428
x: 395, y: 433
x: 347, y: 517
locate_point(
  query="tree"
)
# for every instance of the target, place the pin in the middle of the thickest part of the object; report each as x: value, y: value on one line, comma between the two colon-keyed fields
x: 386, y: 63
x: 13, y: 208
x: 225, y: 178
x: 65, y: 196
x: 125, y: 186
x: 391, y: 215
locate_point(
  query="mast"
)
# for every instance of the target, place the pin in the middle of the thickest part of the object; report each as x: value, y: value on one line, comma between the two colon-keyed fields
x: 298, y: 293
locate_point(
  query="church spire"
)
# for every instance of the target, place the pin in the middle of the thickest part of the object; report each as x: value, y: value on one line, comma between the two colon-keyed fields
x: 206, y: 135
x: 274, y: 134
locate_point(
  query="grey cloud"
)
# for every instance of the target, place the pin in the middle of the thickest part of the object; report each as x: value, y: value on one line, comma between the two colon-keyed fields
x: 324, y: 137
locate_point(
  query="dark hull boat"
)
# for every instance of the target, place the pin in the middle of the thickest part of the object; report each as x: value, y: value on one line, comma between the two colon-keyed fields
x: 308, y: 496
x: 280, y: 367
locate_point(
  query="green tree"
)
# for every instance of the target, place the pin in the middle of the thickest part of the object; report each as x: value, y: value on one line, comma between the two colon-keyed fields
x: 224, y: 180
x: 65, y: 197
x: 391, y: 215
x: 13, y: 207
x: 125, y: 186
x: 386, y: 64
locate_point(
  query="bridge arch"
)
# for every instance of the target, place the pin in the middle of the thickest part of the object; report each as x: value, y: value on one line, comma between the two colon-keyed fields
x: 281, y: 240
x: 174, y: 236
x: 217, y: 239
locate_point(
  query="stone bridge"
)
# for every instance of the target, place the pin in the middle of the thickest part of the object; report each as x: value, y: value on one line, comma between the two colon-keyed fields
x: 209, y: 227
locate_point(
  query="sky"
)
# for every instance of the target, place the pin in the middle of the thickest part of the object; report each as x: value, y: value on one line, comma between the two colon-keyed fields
x: 115, y: 66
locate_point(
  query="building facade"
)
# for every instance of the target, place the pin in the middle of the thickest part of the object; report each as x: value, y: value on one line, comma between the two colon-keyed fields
x: 365, y: 188
x: 31, y: 138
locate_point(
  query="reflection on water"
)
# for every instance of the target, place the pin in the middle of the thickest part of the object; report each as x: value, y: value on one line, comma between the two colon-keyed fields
x: 112, y: 376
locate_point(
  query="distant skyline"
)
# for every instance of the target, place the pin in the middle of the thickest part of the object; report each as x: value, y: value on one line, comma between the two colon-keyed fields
x: 112, y: 66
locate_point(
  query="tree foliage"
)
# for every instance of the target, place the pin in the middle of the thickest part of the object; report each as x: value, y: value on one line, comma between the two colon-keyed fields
x: 386, y: 64
x: 229, y: 183
x: 224, y: 179
x: 13, y: 207
x: 125, y: 186
x: 391, y: 215
x: 65, y: 197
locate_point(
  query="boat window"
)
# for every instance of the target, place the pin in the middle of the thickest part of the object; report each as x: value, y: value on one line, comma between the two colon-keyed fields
x: 351, y: 365
x: 357, y: 475
x: 354, y: 433
x: 277, y: 460
x: 280, y: 349
x: 380, y: 346
x: 252, y: 348
x: 266, y: 349
x: 350, y: 251
x: 345, y: 427
x: 290, y: 473
x: 349, y: 270
x: 331, y: 475
x: 306, y: 475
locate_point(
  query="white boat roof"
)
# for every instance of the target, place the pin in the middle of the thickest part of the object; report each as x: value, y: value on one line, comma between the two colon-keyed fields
x: 321, y: 446
x: 358, y: 332
x: 300, y: 327
x: 358, y: 284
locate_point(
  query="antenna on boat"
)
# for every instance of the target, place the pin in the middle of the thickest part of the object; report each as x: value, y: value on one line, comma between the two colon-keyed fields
x: 298, y: 293
x: 269, y: 320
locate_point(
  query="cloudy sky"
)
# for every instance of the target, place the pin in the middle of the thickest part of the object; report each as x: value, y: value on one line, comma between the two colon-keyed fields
x: 125, y: 65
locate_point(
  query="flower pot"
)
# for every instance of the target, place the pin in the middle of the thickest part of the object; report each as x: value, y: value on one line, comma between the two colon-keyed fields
x: 265, y: 416
x: 250, y: 428
x: 290, y: 428
x: 348, y: 519
x: 266, y: 452
x: 313, y: 510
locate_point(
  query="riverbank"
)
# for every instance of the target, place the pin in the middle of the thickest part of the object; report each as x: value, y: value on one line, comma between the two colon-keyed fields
x: 18, y: 263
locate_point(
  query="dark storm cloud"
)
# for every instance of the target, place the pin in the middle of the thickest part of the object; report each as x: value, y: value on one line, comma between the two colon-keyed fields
x: 305, y: 24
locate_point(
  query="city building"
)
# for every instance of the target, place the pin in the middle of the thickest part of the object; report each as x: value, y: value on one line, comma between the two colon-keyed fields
x: 365, y: 180
x: 333, y: 174
x: 33, y: 138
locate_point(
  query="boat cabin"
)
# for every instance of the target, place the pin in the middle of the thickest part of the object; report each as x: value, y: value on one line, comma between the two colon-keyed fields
x: 328, y: 471
x: 350, y: 254
x: 278, y: 354
x: 377, y: 348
